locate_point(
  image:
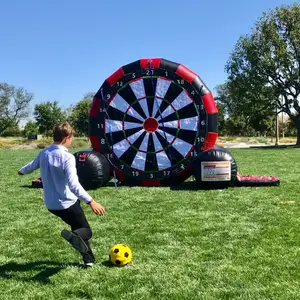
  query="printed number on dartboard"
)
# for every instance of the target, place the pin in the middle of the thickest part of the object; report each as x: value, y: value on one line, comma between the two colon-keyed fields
x: 200, y: 107
x: 149, y: 72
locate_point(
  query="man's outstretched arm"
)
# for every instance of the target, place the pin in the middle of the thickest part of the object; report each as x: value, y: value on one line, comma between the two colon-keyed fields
x: 30, y: 167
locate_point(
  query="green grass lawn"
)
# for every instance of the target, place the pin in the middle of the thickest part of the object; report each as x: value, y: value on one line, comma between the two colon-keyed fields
x: 240, y: 243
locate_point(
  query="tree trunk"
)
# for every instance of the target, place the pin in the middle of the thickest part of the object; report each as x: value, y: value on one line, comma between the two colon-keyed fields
x: 298, y: 136
x: 276, y: 130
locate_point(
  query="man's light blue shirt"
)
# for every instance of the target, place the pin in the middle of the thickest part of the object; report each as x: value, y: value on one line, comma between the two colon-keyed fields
x: 59, y: 176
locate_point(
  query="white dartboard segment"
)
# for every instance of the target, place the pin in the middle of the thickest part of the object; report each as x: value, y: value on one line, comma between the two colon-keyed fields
x: 182, y: 147
x: 121, y: 147
x: 162, y: 87
x: 171, y: 124
x: 138, y: 88
x: 189, y: 123
x: 157, y: 144
x: 119, y: 103
x: 132, y: 138
x: 168, y: 111
x: 132, y: 112
x: 166, y: 135
x: 181, y: 101
x: 113, y: 126
x: 156, y: 106
x: 144, y: 145
x: 139, y: 161
x: 163, y: 161
x: 144, y: 105
x: 130, y: 125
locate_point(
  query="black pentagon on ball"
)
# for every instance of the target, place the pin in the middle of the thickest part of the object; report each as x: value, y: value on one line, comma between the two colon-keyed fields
x: 117, y: 262
x: 116, y: 250
x: 126, y: 254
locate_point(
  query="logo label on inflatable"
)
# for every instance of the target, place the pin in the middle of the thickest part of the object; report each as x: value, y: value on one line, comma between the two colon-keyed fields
x: 215, y: 171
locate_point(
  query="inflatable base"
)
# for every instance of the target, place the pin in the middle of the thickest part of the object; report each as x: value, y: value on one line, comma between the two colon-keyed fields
x: 37, y: 183
x: 216, y: 168
x: 252, y: 180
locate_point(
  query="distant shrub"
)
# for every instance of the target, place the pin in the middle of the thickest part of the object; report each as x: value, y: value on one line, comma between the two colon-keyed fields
x: 41, y: 145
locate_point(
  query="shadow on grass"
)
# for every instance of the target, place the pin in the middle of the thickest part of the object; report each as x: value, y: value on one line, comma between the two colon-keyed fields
x: 193, y: 186
x: 45, y: 270
x: 107, y: 264
x: 275, y: 147
x: 28, y: 186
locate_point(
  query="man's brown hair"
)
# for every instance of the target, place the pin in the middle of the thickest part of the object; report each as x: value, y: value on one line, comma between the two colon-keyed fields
x: 62, y: 130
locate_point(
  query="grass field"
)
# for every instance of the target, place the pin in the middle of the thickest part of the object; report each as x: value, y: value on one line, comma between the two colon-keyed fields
x: 240, y: 243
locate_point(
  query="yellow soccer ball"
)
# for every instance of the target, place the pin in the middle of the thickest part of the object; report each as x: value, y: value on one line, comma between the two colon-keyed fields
x: 120, y: 255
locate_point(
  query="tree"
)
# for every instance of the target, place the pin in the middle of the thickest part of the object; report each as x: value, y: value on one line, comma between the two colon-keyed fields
x: 14, y: 105
x: 31, y: 128
x: 241, y: 117
x: 221, y: 99
x: 79, y: 115
x: 12, y: 130
x: 264, y: 66
x: 47, y: 114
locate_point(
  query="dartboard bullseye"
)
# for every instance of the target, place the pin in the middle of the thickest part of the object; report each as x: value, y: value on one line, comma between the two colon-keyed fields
x: 151, y: 118
x: 150, y: 125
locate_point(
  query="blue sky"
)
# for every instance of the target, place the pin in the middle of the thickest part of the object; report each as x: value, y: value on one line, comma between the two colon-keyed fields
x: 62, y: 49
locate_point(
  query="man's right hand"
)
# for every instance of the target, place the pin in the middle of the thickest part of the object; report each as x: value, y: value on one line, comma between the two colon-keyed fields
x: 97, y: 208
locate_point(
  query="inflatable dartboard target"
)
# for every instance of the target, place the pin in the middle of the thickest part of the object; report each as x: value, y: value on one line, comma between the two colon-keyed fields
x: 151, y: 117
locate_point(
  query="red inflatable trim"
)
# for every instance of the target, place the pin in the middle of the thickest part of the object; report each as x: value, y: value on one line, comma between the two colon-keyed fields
x: 112, y: 79
x: 155, y: 63
x: 210, y: 140
x: 209, y: 103
x: 150, y: 182
x: 95, y: 108
x: 186, y: 73
x: 95, y: 143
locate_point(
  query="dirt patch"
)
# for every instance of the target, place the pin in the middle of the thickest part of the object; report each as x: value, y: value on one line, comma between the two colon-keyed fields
x: 21, y: 146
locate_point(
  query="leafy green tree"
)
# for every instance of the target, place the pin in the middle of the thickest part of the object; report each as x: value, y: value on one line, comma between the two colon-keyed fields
x: 12, y: 130
x: 79, y: 115
x: 14, y: 105
x: 264, y: 66
x: 250, y: 119
x: 47, y: 114
x: 31, y: 128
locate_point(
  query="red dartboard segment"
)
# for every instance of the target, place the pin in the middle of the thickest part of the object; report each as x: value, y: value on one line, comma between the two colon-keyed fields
x: 154, y: 117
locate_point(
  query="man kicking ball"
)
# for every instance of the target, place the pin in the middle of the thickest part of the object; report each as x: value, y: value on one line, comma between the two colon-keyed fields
x: 63, y: 192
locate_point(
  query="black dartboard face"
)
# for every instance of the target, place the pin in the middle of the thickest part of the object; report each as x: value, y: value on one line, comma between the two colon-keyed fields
x: 151, y: 118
